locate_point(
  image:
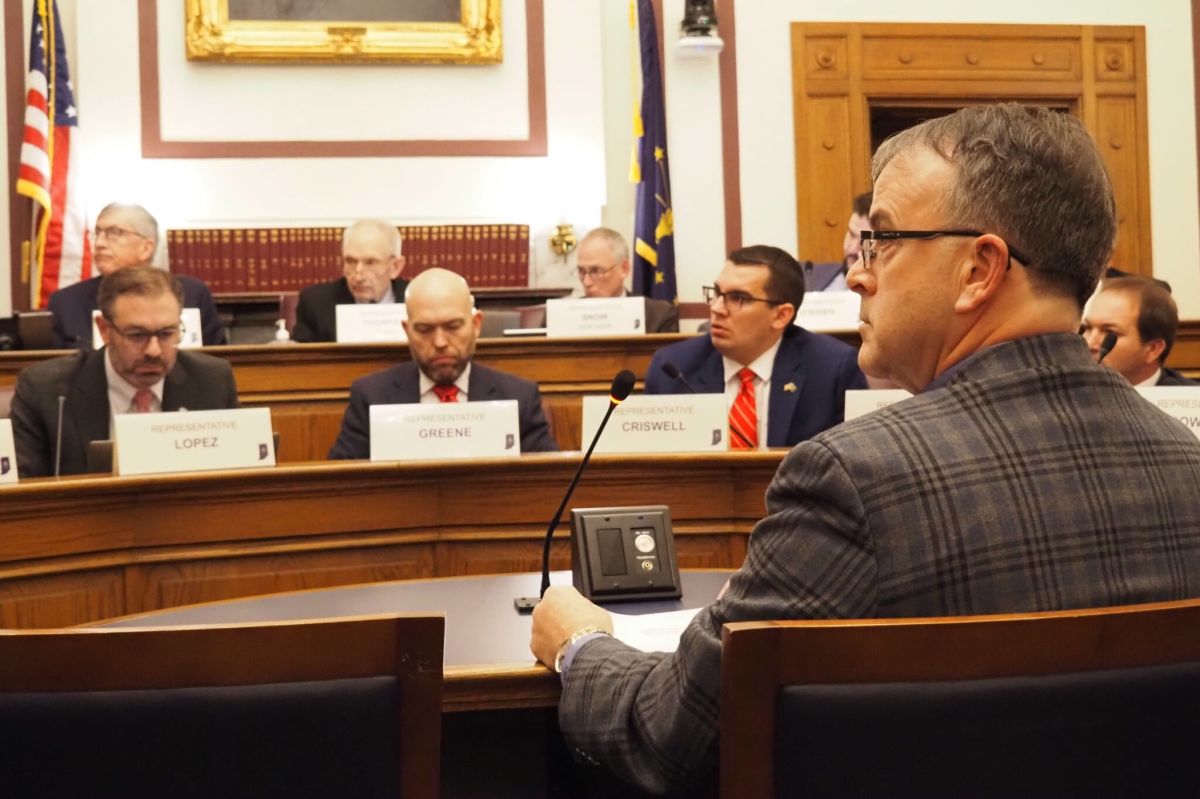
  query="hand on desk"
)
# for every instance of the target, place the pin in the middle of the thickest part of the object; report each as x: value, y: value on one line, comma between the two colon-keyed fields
x: 562, y: 612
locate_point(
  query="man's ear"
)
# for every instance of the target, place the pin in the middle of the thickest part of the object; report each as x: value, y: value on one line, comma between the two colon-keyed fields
x: 982, y: 273
x: 397, y: 267
x: 1154, y: 350
x: 784, y: 315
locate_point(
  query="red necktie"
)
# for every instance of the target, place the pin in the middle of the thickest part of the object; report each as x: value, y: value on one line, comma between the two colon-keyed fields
x: 742, y: 415
x: 143, y: 400
x: 446, y: 393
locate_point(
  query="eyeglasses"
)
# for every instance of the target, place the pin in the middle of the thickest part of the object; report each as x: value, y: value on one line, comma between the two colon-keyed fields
x: 115, y: 233
x: 871, y: 241
x: 734, y: 300
x: 168, y: 337
x: 593, y: 272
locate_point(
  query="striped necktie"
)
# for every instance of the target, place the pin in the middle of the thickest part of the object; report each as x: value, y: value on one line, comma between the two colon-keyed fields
x: 742, y: 415
x: 446, y: 393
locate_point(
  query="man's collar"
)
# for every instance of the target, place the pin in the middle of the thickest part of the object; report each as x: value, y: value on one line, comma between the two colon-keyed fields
x: 463, y: 382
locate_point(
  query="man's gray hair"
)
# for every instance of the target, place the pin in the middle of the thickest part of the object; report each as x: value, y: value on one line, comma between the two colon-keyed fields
x: 614, y: 240
x: 1030, y: 175
x: 144, y: 223
x: 386, y: 229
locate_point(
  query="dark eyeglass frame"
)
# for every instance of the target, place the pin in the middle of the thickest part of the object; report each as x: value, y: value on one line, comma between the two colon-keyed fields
x: 897, y: 235
x: 593, y: 272
x: 734, y: 300
x: 168, y: 337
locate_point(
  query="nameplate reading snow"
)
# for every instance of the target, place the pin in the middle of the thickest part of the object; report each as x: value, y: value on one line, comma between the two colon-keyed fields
x: 446, y: 430
x: 659, y: 423
x: 192, y: 441
x: 595, y: 316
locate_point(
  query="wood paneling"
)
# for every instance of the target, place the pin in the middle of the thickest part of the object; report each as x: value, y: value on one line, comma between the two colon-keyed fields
x: 85, y: 549
x: 1096, y: 72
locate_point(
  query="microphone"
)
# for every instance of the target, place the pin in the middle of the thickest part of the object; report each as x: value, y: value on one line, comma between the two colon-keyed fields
x: 58, y: 436
x: 1106, y: 346
x: 672, y: 371
x: 622, y: 385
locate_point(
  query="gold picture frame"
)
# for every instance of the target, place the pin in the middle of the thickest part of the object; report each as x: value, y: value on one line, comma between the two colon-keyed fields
x: 212, y: 36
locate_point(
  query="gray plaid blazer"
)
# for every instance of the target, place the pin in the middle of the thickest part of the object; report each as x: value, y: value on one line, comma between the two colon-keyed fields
x: 1034, y: 480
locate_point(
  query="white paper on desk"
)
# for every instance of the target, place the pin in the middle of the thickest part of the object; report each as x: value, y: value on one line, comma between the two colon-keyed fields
x: 653, y: 632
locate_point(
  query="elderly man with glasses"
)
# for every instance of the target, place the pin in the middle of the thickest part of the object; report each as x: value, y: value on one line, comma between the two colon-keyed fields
x: 1021, y: 477
x: 139, y: 370
x: 371, y: 266
x: 782, y: 383
x: 125, y: 236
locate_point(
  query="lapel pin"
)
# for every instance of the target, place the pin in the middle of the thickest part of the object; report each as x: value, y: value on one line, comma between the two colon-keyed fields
x: 790, y: 388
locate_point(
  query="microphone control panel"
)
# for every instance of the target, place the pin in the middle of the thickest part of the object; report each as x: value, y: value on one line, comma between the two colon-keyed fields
x: 620, y: 554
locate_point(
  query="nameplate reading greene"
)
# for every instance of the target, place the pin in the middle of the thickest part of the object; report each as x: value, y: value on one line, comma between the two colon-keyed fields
x: 8, y: 454
x: 439, y: 431
x: 192, y: 441
x: 659, y: 423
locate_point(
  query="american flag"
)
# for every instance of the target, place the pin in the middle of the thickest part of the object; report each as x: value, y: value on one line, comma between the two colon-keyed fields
x: 48, y: 175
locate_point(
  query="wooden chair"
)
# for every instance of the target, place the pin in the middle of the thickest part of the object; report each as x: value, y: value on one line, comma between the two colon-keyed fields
x: 1102, y: 702
x: 338, y: 707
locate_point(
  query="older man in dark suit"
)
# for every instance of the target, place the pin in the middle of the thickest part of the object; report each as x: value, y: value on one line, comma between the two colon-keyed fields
x: 371, y: 266
x: 442, y: 326
x: 1022, y: 477
x: 140, y: 369
x: 125, y: 236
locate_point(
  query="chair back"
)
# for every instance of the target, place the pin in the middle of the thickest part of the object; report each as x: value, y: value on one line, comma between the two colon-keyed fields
x: 337, y: 707
x: 1100, y: 702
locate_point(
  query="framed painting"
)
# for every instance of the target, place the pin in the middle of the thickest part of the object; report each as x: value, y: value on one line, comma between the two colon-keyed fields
x: 344, y: 31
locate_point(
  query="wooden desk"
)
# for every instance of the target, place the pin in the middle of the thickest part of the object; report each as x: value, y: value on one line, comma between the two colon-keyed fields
x: 84, y: 549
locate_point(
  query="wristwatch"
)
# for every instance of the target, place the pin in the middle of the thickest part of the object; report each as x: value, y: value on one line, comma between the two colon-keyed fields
x: 570, y: 640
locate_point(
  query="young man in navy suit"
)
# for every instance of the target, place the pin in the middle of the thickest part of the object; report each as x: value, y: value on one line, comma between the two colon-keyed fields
x: 799, y: 378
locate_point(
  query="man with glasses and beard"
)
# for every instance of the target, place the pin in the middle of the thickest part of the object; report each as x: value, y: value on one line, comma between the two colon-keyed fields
x: 125, y: 236
x: 782, y: 383
x: 139, y: 370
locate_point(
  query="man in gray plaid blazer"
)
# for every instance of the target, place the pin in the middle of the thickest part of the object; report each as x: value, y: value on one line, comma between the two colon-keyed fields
x: 1021, y: 477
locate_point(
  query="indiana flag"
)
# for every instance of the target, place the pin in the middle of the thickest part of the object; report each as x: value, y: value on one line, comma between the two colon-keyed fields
x: 654, y: 225
x: 49, y: 172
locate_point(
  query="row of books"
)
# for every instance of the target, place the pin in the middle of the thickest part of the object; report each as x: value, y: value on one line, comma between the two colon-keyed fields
x: 239, y: 260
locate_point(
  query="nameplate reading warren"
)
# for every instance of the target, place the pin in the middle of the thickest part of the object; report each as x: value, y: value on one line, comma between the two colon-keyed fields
x: 660, y: 423
x: 436, y: 431
x: 580, y: 317
x: 192, y: 441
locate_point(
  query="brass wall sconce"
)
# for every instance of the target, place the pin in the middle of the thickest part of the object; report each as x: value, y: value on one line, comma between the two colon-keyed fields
x: 563, y: 241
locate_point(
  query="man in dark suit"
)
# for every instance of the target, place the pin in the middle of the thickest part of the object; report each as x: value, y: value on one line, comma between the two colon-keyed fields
x: 371, y: 266
x: 1145, y: 318
x: 442, y: 329
x: 125, y: 236
x: 800, y: 377
x: 139, y: 369
x: 1021, y: 477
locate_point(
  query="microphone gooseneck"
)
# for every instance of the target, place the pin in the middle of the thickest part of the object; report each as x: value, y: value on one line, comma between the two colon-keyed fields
x: 1106, y: 346
x: 621, y: 387
x: 58, y: 436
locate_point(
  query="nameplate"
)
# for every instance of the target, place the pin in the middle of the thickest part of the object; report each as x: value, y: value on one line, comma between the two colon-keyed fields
x: 596, y: 316
x: 829, y: 311
x: 860, y: 402
x: 192, y: 441
x: 190, y: 335
x: 659, y: 423
x: 445, y: 430
x: 8, y: 454
x: 1180, y: 402
x: 371, y: 323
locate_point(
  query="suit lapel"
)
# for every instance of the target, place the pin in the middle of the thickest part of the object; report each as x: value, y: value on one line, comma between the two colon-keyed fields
x: 787, y: 383
x: 87, y: 405
x: 408, y: 383
x: 175, y: 385
x: 481, y: 386
x: 710, y: 376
